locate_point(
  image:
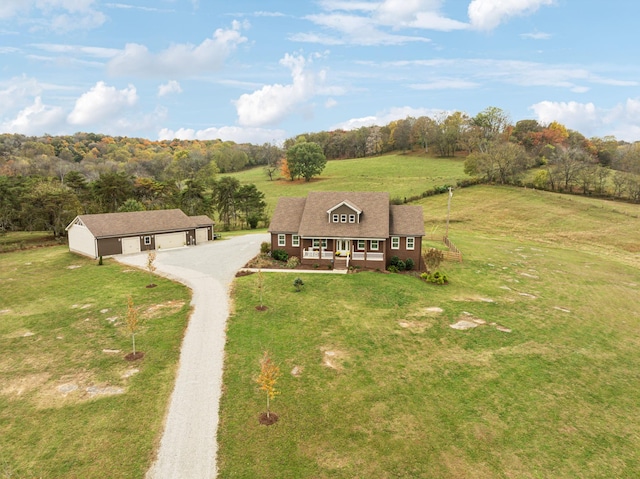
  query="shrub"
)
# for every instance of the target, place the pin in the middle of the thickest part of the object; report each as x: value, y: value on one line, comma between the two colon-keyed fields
x: 392, y: 268
x: 397, y: 263
x: 292, y: 262
x: 280, y: 255
x: 436, y: 277
x: 265, y: 247
x: 432, y: 258
x: 298, y: 284
x: 409, y: 264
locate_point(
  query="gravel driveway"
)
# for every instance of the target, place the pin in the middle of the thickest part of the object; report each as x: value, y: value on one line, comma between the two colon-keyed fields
x: 188, y: 447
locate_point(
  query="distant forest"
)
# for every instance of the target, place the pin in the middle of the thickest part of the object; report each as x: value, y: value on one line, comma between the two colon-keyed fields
x: 45, y: 181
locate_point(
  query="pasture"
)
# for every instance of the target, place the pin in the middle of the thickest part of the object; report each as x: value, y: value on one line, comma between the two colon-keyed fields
x: 400, y: 175
x: 70, y: 405
x: 376, y: 383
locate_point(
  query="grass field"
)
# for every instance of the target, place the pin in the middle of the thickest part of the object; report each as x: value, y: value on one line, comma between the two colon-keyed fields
x: 387, y: 388
x: 61, y: 323
x: 400, y: 175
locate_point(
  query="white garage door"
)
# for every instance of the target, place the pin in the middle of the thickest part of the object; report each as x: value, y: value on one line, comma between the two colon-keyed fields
x: 171, y: 240
x: 202, y: 235
x: 130, y: 245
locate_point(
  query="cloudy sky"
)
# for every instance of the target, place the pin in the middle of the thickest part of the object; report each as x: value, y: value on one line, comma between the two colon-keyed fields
x: 265, y: 70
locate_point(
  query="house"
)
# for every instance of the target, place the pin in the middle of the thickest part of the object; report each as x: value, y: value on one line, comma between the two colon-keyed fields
x: 122, y: 233
x: 347, y: 229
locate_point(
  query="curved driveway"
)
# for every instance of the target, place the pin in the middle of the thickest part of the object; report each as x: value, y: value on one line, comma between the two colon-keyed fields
x: 188, y: 447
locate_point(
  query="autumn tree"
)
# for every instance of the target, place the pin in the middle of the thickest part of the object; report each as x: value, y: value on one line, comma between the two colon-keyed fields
x: 151, y: 267
x: 269, y: 374
x: 306, y: 159
x: 133, y: 324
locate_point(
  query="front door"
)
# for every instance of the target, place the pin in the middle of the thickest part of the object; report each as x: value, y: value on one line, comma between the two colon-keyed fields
x: 342, y: 245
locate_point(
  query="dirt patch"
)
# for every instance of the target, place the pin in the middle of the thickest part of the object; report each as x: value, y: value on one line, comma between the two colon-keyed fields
x: 152, y: 285
x: 469, y: 321
x: 415, y: 326
x: 268, y: 419
x: 162, y: 309
x: 134, y: 356
x: 333, y: 358
x: 19, y: 386
x: 74, y: 266
x: 297, y: 371
x: 262, y: 308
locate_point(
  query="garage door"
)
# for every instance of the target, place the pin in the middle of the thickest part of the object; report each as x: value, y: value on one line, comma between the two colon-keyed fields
x: 130, y: 245
x: 202, y: 235
x: 171, y: 240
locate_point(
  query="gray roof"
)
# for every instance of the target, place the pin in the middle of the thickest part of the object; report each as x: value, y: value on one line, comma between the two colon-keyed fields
x: 202, y: 220
x: 136, y: 222
x: 308, y: 217
x: 406, y: 220
x: 287, y: 215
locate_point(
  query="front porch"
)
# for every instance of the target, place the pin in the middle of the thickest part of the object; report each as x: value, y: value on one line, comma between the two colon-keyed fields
x: 342, y: 253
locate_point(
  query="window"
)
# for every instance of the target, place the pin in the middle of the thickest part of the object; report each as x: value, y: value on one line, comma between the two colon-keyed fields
x: 411, y: 242
x: 395, y: 242
x: 147, y: 240
x: 352, y: 218
x: 316, y: 243
x: 295, y: 240
x: 282, y: 240
x: 374, y: 245
x: 343, y: 218
x: 324, y: 243
x: 336, y: 218
x: 361, y: 245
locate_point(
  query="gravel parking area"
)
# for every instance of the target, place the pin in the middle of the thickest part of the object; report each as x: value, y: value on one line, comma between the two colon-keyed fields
x: 188, y: 447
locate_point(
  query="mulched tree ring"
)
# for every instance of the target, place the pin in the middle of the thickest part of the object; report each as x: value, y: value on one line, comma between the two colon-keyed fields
x: 265, y: 420
x: 134, y: 356
x: 262, y: 308
x: 152, y: 285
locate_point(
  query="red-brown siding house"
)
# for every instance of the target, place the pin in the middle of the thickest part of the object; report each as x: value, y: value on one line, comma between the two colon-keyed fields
x: 347, y: 229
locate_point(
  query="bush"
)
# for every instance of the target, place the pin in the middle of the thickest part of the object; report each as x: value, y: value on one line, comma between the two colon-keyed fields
x: 392, y: 268
x: 292, y: 262
x: 298, y: 284
x: 397, y: 263
x: 436, y: 277
x: 433, y: 258
x: 265, y: 247
x: 409, y: 264
x: 280, y: 255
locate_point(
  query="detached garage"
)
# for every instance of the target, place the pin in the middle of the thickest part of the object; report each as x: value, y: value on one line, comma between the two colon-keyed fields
x: 125, y: 233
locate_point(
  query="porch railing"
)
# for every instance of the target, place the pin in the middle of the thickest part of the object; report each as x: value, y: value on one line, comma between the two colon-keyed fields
x: 359, y: 256
x: 315, y: 254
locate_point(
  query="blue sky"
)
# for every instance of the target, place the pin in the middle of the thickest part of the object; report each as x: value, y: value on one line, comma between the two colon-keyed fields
x: 263, y: 71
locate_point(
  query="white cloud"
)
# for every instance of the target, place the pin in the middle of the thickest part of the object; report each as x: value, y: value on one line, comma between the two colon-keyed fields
x: 623, y: 120
x: 95, y: 52
x: 18, y: 92
x: 386, y: 116
x: 488, y: 14
x: 102, y: 103
x: 61, y: 16
x: 366, y: 23
x: 272, y: 103
x: 445, y: 84
x: 536, y: 36
x: 169, y: 87
x: 226, y: 133
x: 330, y: 103
x: 35, y: 119
x: 180, y: 59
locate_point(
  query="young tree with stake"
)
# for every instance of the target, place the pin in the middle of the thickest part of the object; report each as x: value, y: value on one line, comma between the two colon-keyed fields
x: 269, y: 374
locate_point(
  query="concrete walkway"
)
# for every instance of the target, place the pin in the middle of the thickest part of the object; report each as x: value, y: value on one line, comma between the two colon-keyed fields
x: 188, y: 447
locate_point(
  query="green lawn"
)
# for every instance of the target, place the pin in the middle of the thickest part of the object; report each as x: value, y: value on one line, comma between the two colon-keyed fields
x: 58, y: 314
x: 400, y: 175
x: 408, y: 396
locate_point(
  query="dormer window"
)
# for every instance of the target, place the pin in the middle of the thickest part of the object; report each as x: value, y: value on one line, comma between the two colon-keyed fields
x: 352, y: 218
x: 336, y: 218
x: 343, y: 218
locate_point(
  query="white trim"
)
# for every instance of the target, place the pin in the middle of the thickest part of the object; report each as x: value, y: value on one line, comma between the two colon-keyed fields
x: 343, y: 218
x: 362, y: 246
x: 413, y: 243
x: 295, y: 240
x: 352, y: 218
x: 282, y: 240
x: 395, y: 242
x: 335, y: 218
x: 377, y: 242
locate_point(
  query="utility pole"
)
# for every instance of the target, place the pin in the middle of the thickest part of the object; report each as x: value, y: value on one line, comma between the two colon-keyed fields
x: 446, y: 234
